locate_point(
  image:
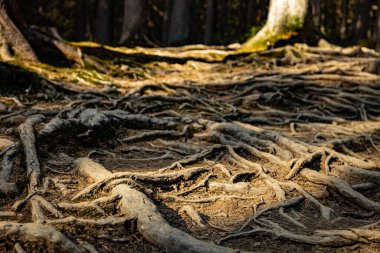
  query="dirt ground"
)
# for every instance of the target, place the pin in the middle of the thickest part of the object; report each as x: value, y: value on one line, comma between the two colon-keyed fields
x: 270, y: 152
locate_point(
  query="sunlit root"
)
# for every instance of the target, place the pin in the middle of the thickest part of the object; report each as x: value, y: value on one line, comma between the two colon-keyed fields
x: 108, y: 221
x: 105, y: 178
x: 135, y: 205
x: 342, y: 187
x: 278, y: 231
x: 193, y: 214
x: 37, y: 232
x: 241, y: 187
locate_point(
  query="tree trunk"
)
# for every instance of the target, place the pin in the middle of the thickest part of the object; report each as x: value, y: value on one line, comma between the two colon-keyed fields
x: 13, y: 44
x: 343, y: 24
x: 362, y: 20
x: 316, y: 11
x: 179, y: 23
x: 133, y: 18
x: 103, y: 22
x: 251, y: 4
x: 285, y: 18
x: 166, y: 21
x: 378, y: 25
x: 210, y: 21
x: 81, y: 20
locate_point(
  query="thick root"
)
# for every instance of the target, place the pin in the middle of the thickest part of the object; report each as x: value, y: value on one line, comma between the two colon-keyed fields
x: 38, y: 232
x: 135, y: 205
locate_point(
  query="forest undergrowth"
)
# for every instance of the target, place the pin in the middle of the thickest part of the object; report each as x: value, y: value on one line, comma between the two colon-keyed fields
x: 177, y: 150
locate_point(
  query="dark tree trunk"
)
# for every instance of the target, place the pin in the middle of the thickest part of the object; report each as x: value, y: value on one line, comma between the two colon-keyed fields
x: 251, y: 4
x: 133, y: 18
x: 103, y: 28
x: 81, y: 20
x: 316, y: 12
x: 179, y: 23
x: 210, y: 21
x: 16, y: 38
x: 13, y: 44
x: 343, y: 24
x: 378, y: 25
x: 362, y: 20
x: 166, y: 21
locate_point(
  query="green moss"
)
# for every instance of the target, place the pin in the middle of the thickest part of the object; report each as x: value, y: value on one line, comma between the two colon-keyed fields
x: 290, y: 28
x: 293, y: 24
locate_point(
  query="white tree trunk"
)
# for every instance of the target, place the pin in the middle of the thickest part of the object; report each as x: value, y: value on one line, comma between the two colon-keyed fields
x: 284, y: 18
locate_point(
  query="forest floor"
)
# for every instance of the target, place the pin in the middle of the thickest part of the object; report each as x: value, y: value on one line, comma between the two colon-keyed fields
x: 277, y: 151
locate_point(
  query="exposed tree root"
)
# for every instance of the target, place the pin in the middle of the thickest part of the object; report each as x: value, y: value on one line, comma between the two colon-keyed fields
x: 28, y: 141
x: 135, y: 205
x: 38, y: 232
x: 342, y: 187
x: 7, y: 187
x: 263, y: 152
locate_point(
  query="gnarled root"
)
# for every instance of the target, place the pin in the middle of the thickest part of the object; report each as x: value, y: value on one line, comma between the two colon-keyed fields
x: 38, y: 232
x: 342, y: 187
x: 135, y: 205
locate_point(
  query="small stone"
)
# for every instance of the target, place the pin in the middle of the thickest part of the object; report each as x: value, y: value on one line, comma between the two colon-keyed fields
x: 4, y: 143
x: 3, y: 107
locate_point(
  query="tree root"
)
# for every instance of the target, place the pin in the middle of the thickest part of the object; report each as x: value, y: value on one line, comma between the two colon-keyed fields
x: 278, y: 231
x: 37, y: 232
x: 7, y: 187
x: 343, y: 188
x: 135, y: 205
x: 28, y: 141
x: 152, y: 177
x: 193, y: 214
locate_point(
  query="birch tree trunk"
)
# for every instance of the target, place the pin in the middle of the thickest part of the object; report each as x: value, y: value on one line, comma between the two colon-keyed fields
x: 285, y: 18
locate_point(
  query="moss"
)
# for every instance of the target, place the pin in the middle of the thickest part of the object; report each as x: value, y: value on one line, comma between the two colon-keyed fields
x: 268, y: 41
x: 290, y: 28
x: 293, y: 24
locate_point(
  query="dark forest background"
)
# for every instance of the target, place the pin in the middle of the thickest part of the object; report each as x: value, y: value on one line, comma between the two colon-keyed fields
x: 214, y: 22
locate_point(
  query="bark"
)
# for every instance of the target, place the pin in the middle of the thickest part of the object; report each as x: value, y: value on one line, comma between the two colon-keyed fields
x: 103, y: 22
x: 343, y: 24
x: 13, y: 44
x: 316, y: 11
x: 251, y: 5
x: 179, y: 23
x: 210, y: 21
x: 285, y: 18
x: 166, y: 21
x: 81, y: 20
x: 133, y: 18
x: 378, y: 25
x: 362, y: 20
